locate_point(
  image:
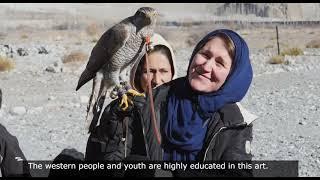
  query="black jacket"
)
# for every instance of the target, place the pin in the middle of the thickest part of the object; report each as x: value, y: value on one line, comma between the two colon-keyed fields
x: 12, y: 160
x: 115, y: 139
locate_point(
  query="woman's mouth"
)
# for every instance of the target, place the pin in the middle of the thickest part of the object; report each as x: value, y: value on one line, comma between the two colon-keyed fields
x: 199, y: 72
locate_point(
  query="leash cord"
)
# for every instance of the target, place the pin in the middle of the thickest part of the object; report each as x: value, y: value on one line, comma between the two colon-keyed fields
x: 153, y: 114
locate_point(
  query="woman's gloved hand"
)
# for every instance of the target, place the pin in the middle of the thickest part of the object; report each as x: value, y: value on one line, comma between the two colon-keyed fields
x: 113, y: 114
x: 115, y: 111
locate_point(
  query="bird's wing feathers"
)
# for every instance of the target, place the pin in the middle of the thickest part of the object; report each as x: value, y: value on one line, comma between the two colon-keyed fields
x: 110, y: 42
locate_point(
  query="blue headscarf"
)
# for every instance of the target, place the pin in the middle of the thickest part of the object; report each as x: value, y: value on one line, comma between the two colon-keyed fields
x: 184, y: 129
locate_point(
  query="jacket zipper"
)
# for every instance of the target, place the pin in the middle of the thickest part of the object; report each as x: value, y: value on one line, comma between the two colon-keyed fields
x: 222, y: 128
x: 213, y: 137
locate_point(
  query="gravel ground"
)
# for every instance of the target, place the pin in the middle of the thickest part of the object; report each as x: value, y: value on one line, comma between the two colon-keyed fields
x: 46, y: 114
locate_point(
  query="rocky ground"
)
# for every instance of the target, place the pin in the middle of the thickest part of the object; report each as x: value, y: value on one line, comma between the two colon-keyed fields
x: 43, y: 110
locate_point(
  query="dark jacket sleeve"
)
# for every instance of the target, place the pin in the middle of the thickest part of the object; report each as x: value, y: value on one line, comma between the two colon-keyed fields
x: 104, y: 142
x: 239, y: 152
x: 236, y: 141
x: 12, y: 160
x: 239, y: 148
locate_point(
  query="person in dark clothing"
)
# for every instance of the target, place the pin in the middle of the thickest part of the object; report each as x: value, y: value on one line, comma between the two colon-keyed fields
x: 67, y: 156
x: 162, y: 69
x: 199, y: 115
x: 12, y: 160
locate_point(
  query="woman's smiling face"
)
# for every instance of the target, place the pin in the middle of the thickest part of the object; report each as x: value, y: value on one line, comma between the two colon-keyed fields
x: 210, y: 67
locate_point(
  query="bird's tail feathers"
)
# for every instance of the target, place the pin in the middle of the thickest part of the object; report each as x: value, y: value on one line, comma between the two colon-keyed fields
x: 97, y: 99
x: 92, y: 101
x: 84, y: 78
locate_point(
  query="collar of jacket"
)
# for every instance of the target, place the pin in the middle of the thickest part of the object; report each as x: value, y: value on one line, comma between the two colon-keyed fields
x: 248, y: 117
x: 228, y: 117
x: 235, y: 115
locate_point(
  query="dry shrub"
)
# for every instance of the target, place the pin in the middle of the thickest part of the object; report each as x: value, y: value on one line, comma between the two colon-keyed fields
x: 187, y: 24
x: 92, y: 29
x: 192, y: 39
x: 269, y: 46
x: 2, y: 36
x: 6, y: 64
x: 23, y: 27
x: 278, y: 59
x: 75, y: 56
x: 94, y: 39
x: 284, y: 45
x: 62, y: 26
x: 313, y: 44
x: 24, y: 36
x: 292, y: 52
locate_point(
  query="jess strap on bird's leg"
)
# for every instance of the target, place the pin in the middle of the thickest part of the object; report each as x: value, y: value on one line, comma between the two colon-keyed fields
x: 126, y: 93
x: 115, y: 91
x: 126, y: 98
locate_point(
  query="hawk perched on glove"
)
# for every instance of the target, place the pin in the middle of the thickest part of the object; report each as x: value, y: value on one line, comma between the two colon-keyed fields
x: 117, y: 49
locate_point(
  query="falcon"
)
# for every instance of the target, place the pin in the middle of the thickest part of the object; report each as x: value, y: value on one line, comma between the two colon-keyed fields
x: 118, y: 48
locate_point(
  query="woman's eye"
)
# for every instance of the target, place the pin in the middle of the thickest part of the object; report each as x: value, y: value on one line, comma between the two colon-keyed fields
x: 205, y: 55
x: 151, y: 71
x: 219, y: 63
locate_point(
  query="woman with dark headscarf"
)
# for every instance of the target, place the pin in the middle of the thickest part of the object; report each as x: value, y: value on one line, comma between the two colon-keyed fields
x: 198, y: 116
x: 109, y: 140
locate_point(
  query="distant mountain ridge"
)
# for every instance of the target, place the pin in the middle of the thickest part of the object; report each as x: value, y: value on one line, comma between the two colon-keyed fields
x: 170, y: 12
x: 285, y: 11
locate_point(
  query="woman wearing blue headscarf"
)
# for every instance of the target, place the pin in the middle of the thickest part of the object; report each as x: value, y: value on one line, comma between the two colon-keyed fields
x: 197, y: 115
x: 219, y: 75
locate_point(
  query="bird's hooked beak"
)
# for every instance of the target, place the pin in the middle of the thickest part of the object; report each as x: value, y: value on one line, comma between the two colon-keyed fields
x: 153, y: 15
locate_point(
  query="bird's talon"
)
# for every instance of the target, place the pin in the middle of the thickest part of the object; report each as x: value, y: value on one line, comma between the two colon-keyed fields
x: 130, y: 102
x: 125, y: 106
x: 134, y: 93
x: 124, y: 101
x: 125, y: 95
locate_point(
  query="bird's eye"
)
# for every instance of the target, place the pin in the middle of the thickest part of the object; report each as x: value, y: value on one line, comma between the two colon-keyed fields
x: 139, y: 13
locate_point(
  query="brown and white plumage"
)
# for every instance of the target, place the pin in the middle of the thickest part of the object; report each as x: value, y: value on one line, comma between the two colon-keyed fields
x: 119, y: 47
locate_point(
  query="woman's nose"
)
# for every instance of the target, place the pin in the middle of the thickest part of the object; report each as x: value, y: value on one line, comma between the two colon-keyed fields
x: 208, y: 65
x: 156, y: 80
